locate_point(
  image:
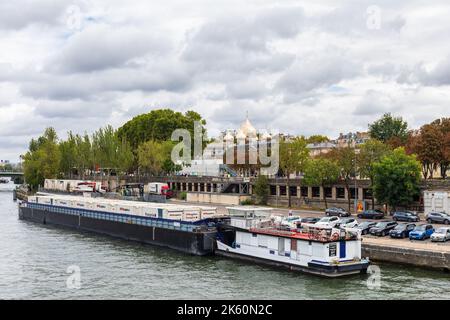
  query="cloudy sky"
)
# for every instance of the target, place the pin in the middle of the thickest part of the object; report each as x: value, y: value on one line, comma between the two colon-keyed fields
x: 300, y: 67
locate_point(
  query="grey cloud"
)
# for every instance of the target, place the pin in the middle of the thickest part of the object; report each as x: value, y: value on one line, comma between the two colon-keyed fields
x: 67, y: 87
x: 247, y: 89
x: 240, y: 44
x: 439, y: 75
x: 319, y: 71
x: 21, y: 13
x: 100, y: 47
x: 75, y: 109
x: 375, y: 103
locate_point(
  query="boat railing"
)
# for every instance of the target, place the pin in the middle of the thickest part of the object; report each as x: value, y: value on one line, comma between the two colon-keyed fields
x: 312, y: 234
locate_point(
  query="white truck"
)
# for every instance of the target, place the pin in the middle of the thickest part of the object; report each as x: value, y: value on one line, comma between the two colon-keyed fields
x: 159, y: 188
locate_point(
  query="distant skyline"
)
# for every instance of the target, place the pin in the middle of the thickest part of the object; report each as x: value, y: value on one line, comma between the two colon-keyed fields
x: 297, y: 67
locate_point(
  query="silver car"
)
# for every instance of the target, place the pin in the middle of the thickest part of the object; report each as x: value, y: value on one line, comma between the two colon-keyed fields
x: 441, y: 234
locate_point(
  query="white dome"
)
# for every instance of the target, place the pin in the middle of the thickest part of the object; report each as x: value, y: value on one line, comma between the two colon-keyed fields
x: 266, y: 136
x: 247, y: 129
x: 228, y: 137
x: 241, y: 135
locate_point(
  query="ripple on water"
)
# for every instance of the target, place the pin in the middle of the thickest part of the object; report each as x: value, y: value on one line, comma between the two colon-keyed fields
x: 35, y: 258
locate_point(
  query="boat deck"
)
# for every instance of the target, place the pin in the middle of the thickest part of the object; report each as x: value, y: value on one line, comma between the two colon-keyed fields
x: 318, y: 235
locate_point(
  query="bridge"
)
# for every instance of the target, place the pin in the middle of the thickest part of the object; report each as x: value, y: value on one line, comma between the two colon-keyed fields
x: 16, y: 176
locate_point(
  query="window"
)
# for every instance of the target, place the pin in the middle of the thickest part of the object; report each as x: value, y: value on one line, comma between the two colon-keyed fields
x: 316, y: 192
x: 304, y: 191
x: 340, y: 193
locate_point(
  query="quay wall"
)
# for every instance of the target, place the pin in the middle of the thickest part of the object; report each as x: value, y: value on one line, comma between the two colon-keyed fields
x: 408, y: 256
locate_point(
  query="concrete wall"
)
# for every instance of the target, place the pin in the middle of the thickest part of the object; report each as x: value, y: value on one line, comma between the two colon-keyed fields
x: 220, y: 198
x: 415, y: 257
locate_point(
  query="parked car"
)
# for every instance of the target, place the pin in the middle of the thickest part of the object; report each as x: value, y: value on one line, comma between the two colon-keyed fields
x: 290, y: 222
x: 307, y: 220
x: 336, y: 211
x: 371, y: 214
x: 438, y: 217
x: 382, y: 228
x: 328, y: 222
x: 441, y: 234
x: 402, y: 230
x: 407, y: 216
x: 348, y: 223
x: 421, y: 232
x: 365, y: 226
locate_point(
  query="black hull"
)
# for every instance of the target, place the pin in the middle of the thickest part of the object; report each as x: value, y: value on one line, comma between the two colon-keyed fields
x: 196, y: 243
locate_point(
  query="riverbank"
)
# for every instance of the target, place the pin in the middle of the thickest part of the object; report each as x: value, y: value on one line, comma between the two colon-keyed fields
x: 423, y: 254
x: 415, y: 253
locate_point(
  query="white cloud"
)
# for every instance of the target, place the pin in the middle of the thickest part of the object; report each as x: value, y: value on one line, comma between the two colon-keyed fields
x: 298, y: 68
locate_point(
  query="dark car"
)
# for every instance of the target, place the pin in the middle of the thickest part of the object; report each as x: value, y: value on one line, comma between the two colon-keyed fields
x: 402, y: 230
x: 405, y: 216
x: 382, y: 228
x: 438, y: 217
x: 371, y: 214
x: 365, y: 226
x: 336, y: 211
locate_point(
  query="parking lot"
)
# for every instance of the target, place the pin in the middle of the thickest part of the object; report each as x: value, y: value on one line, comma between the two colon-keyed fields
x: 386, y: 240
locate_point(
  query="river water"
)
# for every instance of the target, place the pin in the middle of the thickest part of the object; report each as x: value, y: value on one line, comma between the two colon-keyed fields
x: 43, y: 262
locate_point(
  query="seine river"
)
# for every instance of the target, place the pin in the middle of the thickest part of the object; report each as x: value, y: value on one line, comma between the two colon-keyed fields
x: 35, y: 260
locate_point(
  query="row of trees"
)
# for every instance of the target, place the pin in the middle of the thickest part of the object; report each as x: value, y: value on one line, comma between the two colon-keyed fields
x: 385, y: 160
x: 141, y: 145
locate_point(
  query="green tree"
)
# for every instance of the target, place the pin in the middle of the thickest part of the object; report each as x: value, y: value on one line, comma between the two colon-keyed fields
x: 346, y: 160
x: 261, y: 189
x: 370, y: 152
x: 396, y: 178
x: 154, y: 157
x: 158, y: 125
x: 68, y: 150
x: 43, y: 159
x: 321, y: 172
x: 389, y: 129
x: 293, y: 157
x: 317, y: 139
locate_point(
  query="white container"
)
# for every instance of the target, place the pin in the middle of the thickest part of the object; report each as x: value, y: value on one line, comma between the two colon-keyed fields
x: 44, y: 200
x: 63, y: 203
x: 150, y: 212
x: 206, y: 212
x: 173, y: 214
x: 191, y: 214
x: 128, y: 209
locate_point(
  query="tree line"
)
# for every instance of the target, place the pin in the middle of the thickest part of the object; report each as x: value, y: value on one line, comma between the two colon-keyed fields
x: 392, y: 160
x: 142, y: 145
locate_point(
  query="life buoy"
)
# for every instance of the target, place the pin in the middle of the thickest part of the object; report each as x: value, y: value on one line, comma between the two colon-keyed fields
x: 335, y: 236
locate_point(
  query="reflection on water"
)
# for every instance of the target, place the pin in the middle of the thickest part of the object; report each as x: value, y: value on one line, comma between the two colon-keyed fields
x: 35, y: 258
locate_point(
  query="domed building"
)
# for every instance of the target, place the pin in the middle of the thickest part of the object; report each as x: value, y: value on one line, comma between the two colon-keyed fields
x: 229, y: 154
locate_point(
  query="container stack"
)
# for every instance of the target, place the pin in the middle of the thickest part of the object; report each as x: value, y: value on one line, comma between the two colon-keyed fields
x: 146, y: 209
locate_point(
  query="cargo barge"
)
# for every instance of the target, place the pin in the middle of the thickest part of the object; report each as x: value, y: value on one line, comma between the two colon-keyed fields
x: 251, y: 235
x: 184, y: 228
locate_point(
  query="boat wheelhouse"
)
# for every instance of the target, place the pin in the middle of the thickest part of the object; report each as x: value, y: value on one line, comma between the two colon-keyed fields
x: 250, y: 234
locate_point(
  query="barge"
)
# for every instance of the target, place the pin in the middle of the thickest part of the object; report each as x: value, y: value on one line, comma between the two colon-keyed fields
x: 250, y: 234
x: 184, y: 228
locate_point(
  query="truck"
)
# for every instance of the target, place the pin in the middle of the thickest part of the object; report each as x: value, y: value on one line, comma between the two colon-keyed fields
x: 160, y: 188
